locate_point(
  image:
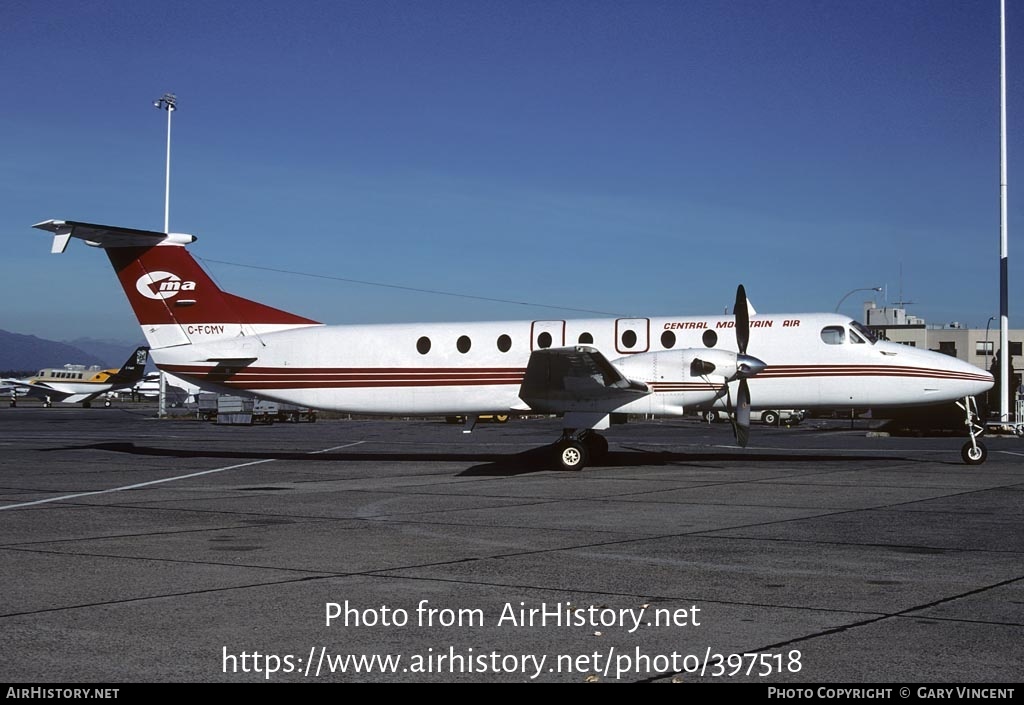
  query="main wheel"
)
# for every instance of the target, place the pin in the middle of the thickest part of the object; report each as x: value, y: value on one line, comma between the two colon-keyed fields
x: 501, y: 418
x: 572, y: 455
x: 710, y: 416
x: 974, y: 455
x: 770, y: 418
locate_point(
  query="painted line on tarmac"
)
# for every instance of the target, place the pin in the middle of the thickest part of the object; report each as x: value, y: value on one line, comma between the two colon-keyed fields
x: 161, y: 481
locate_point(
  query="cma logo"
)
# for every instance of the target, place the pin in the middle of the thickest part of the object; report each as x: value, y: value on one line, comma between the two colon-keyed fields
x: 162, y: 285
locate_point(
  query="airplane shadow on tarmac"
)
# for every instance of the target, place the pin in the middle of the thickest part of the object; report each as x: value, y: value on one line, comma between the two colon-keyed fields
x: 495, y: 464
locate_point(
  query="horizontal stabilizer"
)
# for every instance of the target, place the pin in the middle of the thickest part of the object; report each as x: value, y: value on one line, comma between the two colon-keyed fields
x: 107, y: 236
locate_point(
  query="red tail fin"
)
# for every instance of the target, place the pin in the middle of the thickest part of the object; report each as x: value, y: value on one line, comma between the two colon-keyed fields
x: 175, y: 301
x: 166, y: 285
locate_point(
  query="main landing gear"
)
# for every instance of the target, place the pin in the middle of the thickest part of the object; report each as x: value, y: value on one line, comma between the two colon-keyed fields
x: 577, y: 449
x: 974, y: 451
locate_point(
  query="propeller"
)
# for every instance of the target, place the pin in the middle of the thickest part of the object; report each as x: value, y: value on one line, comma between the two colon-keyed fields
x: 746, y: 366
x: 741, y: 367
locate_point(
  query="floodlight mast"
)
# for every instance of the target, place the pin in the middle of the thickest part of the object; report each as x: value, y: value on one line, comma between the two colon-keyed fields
x: 1004, y: 284
x: 167, y: 102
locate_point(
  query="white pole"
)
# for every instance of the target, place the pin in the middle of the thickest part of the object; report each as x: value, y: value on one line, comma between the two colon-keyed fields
x: 167, y: 180
x: 169, y: 103
x: 1004, y: 286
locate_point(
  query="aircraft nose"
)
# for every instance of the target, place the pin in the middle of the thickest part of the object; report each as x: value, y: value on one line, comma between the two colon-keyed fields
x: 983, y: 386
x: 977, y: 380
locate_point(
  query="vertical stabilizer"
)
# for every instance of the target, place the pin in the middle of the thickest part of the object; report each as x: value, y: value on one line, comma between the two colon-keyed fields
x: 175, y: 301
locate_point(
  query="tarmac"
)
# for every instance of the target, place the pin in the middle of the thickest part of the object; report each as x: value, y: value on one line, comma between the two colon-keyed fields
x: 142, y: 550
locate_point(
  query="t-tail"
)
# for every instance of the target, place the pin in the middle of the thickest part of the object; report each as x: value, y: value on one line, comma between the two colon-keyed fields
x: 176, y: 302
x: 133, y: 369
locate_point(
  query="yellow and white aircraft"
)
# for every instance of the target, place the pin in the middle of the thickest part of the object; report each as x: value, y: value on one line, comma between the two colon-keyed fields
x: 584, y: 370
x: 73, y: 384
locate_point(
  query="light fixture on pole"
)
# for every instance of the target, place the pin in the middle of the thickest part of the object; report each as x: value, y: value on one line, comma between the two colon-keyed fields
x: 987, y: 348
x: 169, y: 103
x: 876, y: 289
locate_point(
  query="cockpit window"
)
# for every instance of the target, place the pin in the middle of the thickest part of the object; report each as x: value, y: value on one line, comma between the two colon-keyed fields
x: 833, y: 335
x: 854, y: 338
x: 868, y: 334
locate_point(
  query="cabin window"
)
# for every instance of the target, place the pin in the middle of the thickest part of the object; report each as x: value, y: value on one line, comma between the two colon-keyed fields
x: 629, y: 338
x: 423, y: 345
x: 463, y: 344
x: 668, y: 340
x: 586, y: 339
x: 710, y: 338
x: 833, y: 335
x: 544, y: 340
x: 504, y: 343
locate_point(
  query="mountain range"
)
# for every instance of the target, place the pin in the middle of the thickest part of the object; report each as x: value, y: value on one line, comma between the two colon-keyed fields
x: 27, y: 353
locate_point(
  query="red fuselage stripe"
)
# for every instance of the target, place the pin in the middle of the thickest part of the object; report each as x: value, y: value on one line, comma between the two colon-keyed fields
x: 367, y: 377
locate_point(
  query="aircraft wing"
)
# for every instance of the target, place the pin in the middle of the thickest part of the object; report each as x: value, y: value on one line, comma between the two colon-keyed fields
x: 577, y: 378
x: 39, y: 391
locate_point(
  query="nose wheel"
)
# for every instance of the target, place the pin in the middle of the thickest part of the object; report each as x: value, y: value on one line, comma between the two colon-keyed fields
x: 974, y: 454
x: 974, y: 451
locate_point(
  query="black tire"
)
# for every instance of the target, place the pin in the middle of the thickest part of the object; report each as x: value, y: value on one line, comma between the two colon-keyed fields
x: 597, y: 447
x: 770, y: 418
x: 501, y: 418
x: 710, y: 416
x: 106, y: 404
x: 972, y: 455
x: 571, y: 455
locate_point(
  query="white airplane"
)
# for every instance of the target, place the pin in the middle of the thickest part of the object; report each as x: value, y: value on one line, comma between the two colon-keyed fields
x: 584, y: 370
x: 73, y: 384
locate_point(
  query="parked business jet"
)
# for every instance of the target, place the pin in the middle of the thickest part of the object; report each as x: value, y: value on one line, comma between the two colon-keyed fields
x: 149, y: 387
x: 73, y: 384
x: 583, y: 370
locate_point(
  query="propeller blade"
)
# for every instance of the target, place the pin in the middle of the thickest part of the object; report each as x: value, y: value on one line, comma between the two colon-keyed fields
x: 732, y: 412
x: 742, y: 426
x: 742, y: 314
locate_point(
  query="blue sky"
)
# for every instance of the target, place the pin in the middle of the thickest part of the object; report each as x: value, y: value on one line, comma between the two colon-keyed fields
x: 638, y: 158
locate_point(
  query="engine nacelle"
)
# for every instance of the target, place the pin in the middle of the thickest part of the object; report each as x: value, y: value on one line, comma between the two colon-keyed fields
x: 688, y: 364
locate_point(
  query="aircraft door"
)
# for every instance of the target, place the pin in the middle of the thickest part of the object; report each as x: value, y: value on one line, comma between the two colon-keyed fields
x: 547, y: 334
x: 632, y: 335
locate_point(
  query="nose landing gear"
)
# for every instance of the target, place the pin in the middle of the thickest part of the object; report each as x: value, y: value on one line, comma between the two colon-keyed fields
x: 974, y: 451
